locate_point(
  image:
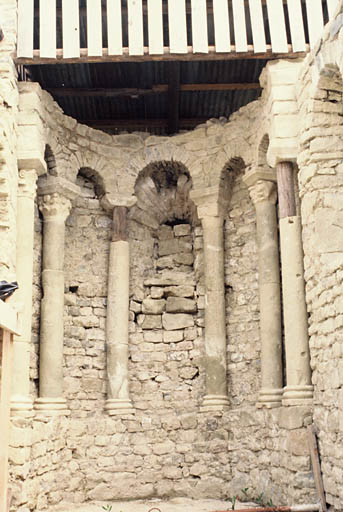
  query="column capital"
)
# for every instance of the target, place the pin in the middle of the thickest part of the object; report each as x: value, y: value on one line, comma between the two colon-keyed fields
x: 110, y: 201
x: 27, y: 183
x: 210, y: 201
x: 54, y: 207
x: 263, y: 192
x: 252, y: 176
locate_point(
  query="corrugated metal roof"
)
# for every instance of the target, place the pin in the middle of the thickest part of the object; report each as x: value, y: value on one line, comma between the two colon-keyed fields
x: 143, y: 75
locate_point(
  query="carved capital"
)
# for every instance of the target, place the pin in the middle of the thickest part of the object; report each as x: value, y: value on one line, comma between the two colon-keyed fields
x: 54, y: 207
x: 27, y: 184
x: 263, y: 191
x: 210, y: 201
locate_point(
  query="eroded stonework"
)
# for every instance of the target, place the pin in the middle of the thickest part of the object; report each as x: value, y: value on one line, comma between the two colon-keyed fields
x: 170, y: 443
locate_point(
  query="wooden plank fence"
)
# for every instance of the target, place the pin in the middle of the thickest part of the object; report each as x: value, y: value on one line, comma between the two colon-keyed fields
x: 237, y: 27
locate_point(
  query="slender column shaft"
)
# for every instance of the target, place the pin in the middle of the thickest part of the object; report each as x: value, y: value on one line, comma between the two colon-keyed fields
x: 299, y: 388
x: 117, y: 323
x: 20, y: 400
x: 215, y: 325
x: 55, y: 210
x: 263, y: 195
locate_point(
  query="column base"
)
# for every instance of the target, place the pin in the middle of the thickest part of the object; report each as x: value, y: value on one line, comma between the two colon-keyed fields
x: 297, y: 395
x: 52, y: 406
x: 114, y: 406
x: 21, y: 406
x: 215, y: 403
x: 269, y: 398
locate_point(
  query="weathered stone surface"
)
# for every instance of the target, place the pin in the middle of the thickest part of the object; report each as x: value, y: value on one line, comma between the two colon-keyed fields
x: 153, y: 306
x: 180, y: 305
x: 177, y: 321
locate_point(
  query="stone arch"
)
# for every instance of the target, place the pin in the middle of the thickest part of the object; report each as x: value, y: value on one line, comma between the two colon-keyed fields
x: 162, y: 189
x: 50, y: 159
x: 325, y: 117
x: 228, y: 175
x: 164, y: 152
x: 262, y: 150
x: 95, y: 178
x: 102, y: 170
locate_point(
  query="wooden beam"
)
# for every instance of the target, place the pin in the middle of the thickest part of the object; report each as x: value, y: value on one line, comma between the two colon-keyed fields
x: 119, y: 229
x: 121, y: 124
x: 155, y: 89
x: 285, y: 187
x: 189, y: 56
x: 313, y: 445
x: 173, y: 97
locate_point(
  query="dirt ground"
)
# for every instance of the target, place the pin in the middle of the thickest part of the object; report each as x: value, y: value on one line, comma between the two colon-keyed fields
x: 156, y: 505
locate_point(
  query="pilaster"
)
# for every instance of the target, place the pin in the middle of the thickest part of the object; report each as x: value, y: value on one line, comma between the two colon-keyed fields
x: 212, y: 206
x: 263, y: 194
x: 55, y: 204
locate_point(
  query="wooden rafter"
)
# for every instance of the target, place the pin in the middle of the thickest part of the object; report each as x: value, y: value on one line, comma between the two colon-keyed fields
x: 146, y: 57
x: 173, y: 97
x: 155, y: 89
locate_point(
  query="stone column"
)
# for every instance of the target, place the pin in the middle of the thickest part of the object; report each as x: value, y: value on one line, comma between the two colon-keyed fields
x: 299, y: 389
x: 117, y: 322
x: 211, y: 211
x: 263, y: 195
x: 55, y: 208
x: 20, y: 400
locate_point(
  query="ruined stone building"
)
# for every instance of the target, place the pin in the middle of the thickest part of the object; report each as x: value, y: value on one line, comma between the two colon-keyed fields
x: 171, y: 205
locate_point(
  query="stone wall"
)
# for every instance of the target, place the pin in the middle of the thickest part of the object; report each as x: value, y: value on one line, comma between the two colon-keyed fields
x: 320, y: 176
x: 8, y: 138
x: 171, y: 446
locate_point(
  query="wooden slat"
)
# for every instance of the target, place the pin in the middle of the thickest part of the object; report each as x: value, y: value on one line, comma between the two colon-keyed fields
x: 313, y: 445
x: 199, y: 26
x: 5, y: 391
x: 94, y: 27
x: 239, y: 25
x: 25, y: 28
x: 70, y: 28
x: 135, y: 17
x: 315, y: 20
x: 221, y: 26
x: 332, y: 6
x: 257, y: 25
x: 155, y: 27
x: 177, y: 26
x: 8, y: 318
x: 167, y: 56
x: 277, y: 26
x: 114, y: 27
x: 296, y: 25
x: 47, y: 28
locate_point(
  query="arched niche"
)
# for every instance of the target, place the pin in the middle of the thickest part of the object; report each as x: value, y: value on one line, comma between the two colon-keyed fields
x: 166, y: 306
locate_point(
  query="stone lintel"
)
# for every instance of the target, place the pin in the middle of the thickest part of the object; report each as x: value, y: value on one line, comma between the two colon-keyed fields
x: 110, y: 201
x: 282, y: 150
x: 49, y: 185
x: 210, y: 201
x: 32, y: 160
x: 252, y: 176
